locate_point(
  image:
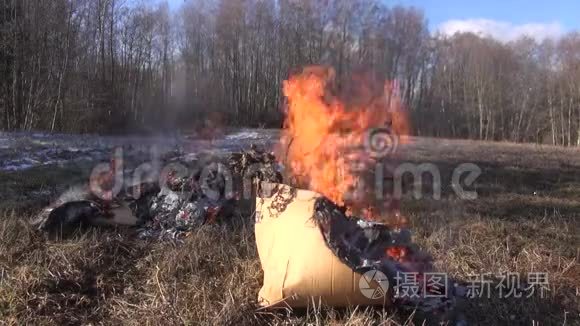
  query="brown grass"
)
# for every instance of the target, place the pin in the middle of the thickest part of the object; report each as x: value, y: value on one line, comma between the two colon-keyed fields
x: 110, y: 277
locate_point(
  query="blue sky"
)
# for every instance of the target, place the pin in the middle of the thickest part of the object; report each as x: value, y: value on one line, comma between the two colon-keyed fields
x: 517, y: 12
x: 503, y: 19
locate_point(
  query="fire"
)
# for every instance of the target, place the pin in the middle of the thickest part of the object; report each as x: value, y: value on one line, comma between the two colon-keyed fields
x: 326, y: 125
x: 328, y: 146
x: 397, y: 253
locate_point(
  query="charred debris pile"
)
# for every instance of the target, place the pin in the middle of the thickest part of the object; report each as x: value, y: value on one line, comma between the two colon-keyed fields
x: 184, y: 197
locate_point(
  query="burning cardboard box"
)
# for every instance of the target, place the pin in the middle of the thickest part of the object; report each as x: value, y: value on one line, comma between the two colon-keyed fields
x: 298, y: 265
x: 312, y: 252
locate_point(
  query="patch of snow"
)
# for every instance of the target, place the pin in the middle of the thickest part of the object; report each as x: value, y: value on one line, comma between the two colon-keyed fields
x: 17, y: 167
x: 23, y: 150
x: 243, y: 135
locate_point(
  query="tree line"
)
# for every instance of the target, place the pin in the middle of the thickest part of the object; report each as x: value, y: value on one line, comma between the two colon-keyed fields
x: 124, y: 65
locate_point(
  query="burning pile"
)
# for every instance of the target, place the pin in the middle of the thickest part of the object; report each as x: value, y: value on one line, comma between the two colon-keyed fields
x: 336, y: 133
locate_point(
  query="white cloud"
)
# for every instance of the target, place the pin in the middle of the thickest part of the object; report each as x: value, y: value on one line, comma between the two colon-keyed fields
x: 502, y: 31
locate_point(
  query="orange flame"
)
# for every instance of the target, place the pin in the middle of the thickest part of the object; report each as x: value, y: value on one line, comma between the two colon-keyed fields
x: 323, y: 122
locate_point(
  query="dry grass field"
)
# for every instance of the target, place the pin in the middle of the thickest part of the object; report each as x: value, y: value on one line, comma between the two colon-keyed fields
x: 526, y: 219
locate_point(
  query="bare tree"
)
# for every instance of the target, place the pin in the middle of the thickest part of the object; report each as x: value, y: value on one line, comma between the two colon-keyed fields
x: 112, y: 65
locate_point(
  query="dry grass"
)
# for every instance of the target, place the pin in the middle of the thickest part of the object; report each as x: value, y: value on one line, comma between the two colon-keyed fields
x: 109, y: 277
x: 104, y: 276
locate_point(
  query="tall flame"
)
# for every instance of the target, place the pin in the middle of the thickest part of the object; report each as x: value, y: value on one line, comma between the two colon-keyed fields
x: 323, y: 122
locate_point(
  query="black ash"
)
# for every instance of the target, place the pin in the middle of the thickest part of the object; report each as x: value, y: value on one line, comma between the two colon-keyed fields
x: 364, y: 246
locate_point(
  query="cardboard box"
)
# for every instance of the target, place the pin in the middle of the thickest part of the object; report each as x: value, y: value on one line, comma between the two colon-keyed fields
x: 299, y: 268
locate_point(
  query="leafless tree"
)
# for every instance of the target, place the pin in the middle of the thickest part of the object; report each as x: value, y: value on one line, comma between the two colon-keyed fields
x: 119, y: 65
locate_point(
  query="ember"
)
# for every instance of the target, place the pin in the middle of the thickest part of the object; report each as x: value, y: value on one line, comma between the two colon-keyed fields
x: 397, y: 253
